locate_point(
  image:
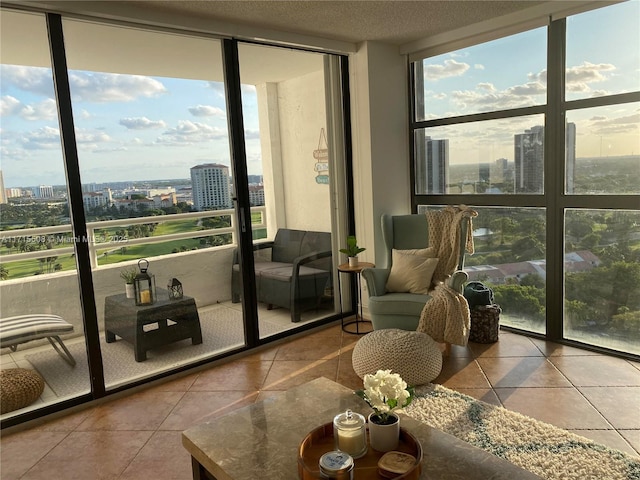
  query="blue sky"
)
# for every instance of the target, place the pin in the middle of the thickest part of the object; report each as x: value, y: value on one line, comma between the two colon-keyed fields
x: 132, y: 127
x: 477, y: 79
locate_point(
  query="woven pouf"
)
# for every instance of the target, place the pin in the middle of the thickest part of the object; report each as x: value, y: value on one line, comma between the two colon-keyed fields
x: 19, y: 388
x: 415, y: 356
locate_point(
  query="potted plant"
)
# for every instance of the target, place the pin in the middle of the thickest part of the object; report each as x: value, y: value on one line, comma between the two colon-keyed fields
x: 385, y: 392
x: 129, y: 275
x: 352, y: 250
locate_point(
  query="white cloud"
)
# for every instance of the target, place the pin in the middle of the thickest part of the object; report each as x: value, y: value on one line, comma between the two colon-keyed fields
x: 102, y: 87
x: 579, y: 78
x: 486, y: 97
x: 478, y: 66
x: 44, y: 110
x: 141, y: 123
x: 9, y: 106
x: 206, y: 111
x: 30, y: 79
x: 217, y: 87
x: 489, y: 87
x: 187, y: 133
x: 83, y: 137
x: 602, y: 125
x: 251, y: 134
x: 109, y: 150
x: 450, y: 68
x: 41, y: 139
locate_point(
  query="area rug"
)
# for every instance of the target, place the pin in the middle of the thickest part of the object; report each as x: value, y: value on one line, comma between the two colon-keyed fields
x: 541, y: 448
x: 222, y: 329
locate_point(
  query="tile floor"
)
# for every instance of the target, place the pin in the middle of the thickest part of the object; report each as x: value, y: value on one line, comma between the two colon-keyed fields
x: 138, y: 436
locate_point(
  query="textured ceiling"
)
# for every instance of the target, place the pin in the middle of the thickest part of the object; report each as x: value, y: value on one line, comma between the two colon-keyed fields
x: 395, y: 21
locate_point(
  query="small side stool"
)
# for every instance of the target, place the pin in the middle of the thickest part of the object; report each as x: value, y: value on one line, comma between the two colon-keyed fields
x: 19, y: 388
x: 415, y: 356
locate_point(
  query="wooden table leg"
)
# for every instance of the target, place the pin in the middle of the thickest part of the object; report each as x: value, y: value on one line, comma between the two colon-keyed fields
x: 199, y: 472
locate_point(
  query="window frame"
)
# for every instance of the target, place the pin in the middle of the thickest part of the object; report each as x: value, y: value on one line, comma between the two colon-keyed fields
x: 553, y: 199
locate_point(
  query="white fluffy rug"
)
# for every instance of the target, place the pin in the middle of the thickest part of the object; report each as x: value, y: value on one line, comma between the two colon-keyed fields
x: 546, y: 450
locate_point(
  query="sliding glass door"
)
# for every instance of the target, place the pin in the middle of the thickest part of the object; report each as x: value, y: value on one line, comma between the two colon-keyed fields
x: 292, y: 180
x: 41, y: 316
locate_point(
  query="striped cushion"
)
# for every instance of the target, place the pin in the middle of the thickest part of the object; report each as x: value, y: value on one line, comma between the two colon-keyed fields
x: 24, y: 328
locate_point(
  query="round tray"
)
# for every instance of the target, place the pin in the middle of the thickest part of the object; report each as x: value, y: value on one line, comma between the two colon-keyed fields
x: 320, y: 441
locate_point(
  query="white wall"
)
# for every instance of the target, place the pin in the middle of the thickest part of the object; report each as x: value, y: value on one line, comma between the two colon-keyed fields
x: 301, y: 103
x: 379, y: 102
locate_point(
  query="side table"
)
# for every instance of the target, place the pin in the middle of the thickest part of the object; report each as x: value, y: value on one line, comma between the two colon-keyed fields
x: 355, y: 272
x: 151, y: 326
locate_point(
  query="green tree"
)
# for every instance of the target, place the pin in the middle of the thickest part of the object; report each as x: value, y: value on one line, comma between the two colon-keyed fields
x: 527, y: 248
x: 519, y: 300
x: 532, y: 280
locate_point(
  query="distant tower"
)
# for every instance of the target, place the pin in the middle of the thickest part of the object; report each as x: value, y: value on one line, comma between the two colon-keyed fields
x: 432, y: 173
x: 484, y: 173
x: 529, y: 158
x: 3, y: 193
x: 210, y: 184
x: 570, y: 156
x: 44, y: 191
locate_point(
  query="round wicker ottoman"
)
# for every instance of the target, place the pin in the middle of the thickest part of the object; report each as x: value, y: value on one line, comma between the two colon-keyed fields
x: 19, y: 388
x: 415, y: 356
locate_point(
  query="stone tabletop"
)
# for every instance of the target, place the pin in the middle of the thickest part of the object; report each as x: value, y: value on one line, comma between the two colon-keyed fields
x: 261, y: 440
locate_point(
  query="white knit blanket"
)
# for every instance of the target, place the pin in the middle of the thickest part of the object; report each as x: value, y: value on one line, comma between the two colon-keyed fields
x: 446, y: 317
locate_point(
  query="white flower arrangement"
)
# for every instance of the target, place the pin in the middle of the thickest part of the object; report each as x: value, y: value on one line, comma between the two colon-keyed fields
x: 385, y: 392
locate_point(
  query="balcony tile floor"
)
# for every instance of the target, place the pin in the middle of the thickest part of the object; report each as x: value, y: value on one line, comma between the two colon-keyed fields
x: 139, y: 435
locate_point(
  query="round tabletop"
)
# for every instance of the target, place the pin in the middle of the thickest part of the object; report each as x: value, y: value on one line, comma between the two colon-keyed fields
x: 358, y: 268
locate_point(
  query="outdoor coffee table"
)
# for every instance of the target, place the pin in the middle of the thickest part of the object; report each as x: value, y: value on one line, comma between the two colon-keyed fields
x: 261, y: 441
x: 151, y: 326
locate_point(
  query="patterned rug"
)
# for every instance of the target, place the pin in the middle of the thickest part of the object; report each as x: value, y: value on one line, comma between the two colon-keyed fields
x: 222, y: 330
x: 546, y: 450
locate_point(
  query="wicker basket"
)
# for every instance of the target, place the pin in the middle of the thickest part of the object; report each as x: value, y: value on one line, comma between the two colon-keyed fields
x: 485, y: 323
x: 19, y: 388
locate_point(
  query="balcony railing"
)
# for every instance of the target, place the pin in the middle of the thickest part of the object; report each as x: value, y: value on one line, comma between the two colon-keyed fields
x: 98, y: 243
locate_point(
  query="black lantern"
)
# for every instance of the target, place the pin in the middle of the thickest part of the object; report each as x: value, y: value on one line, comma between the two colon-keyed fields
x: 174, y: 287
x: 144, y: 285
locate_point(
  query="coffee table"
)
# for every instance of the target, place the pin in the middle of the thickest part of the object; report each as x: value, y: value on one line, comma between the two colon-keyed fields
x: 261, y: 441
x: 151, y: 326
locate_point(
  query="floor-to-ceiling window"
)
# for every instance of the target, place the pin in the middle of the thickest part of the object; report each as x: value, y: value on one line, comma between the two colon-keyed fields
x: 37, y: 255
x: 546, y: 147
x: 155, y: 171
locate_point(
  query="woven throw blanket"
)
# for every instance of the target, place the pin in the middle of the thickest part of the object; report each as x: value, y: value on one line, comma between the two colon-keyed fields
x: 446, y: 317
x: 444, y: 237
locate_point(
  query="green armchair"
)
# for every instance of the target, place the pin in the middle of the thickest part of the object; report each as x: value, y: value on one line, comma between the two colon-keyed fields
x: 398, y: 309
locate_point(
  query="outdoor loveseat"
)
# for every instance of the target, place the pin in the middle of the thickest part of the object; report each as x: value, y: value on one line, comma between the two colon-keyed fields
x: 296, y: 274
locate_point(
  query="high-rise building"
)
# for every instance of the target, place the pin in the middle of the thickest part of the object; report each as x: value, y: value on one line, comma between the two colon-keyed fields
x: 570, y: 155
x: 256, y: 195
x: 210, y: 184
x: 432, y: 174
x: 529, y: 159
x: 97, y: 199
x: 3, y: 193
x: 44, y: 191
x: 484, y: 173
x: 14, y: 192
